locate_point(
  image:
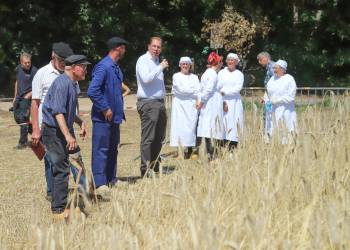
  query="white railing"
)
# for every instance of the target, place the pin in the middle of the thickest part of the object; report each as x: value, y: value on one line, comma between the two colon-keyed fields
x: 305, y: 95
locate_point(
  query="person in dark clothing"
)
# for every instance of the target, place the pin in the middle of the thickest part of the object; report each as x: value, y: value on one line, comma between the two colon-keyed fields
x: 59, y: 115
x: 25, y: 72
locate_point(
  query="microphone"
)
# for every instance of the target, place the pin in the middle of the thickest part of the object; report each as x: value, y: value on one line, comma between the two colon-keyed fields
x: 161, y: 58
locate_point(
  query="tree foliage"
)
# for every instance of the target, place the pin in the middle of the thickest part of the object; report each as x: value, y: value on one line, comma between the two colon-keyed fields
x: 312, y: 35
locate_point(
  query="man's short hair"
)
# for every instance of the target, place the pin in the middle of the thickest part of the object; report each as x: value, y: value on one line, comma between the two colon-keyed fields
x: 155, y: 38
x: 264, y: 54
x: 25, y: 54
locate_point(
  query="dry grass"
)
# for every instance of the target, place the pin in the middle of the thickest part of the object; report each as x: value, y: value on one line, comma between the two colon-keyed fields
x: 263, y: 197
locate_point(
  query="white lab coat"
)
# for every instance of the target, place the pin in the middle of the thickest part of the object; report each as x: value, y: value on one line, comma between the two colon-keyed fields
x: 210, y: 123
x: 231, y: 83
x: 184, y: 114
x: 281, y: 92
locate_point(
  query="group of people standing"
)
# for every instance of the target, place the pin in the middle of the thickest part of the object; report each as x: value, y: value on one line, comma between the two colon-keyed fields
x: 211, y: 109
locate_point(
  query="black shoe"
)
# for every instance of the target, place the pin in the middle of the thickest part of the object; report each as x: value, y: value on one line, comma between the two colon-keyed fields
x: 20, y: 146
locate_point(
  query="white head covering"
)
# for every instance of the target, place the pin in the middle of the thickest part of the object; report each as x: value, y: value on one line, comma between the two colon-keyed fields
x: 282, y: 63
x: 185, y: 59
x: 233, y: 56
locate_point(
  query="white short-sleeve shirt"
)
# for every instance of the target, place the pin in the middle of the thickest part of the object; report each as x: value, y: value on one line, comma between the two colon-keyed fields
x: 41, y: 84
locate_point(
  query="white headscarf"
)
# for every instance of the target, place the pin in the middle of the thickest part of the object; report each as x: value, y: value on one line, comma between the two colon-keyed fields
x: 185, y: 59
x: 282, y: 63
x: 233, y: 56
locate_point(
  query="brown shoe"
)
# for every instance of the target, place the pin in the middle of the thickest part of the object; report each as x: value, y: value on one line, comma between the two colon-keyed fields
x: 61, y: 217
x: 194, y: 156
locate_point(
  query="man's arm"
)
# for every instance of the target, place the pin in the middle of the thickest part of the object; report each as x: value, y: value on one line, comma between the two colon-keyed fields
x: 34, y: 111
x: 95, y: 89
x: 83, y: 128
x: 15, y: 92
x: 148, y: 76
x: 28, y: 95
x: 71, y: 141
x: 95, y: 92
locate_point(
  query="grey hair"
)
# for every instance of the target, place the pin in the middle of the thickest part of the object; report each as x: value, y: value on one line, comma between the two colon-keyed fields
x: 264, y: 54
x: 25, y: 54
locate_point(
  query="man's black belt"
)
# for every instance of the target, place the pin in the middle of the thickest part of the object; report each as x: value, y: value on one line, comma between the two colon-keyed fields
x: 149, y: 100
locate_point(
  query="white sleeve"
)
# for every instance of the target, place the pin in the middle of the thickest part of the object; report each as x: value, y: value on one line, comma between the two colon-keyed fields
x: 37, y: 87
x: 289, y: 95
x: 208, y: 87
x: 143, y: 71
x: 236, y: 88
x: 181, y: 89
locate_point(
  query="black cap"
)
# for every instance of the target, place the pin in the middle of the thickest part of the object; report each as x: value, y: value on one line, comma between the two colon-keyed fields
x: 62, y: 49
x: 76, y: 59
x: 115, y: 42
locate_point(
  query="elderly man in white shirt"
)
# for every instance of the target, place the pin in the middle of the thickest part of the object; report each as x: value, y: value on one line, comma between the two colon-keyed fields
x: 184, y: 114
x: 150, y: 105
x: 230, y: 83
x: 279, y: 100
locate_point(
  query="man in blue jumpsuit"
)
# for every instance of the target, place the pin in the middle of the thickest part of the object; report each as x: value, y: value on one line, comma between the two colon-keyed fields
x: 105, y: 91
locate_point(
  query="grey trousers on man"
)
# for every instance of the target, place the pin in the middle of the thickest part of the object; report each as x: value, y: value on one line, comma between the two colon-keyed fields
x: 153, y: 127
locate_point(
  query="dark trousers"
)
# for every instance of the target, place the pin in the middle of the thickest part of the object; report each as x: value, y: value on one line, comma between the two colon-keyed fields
x: 230, y: 144
x: 21, y: 112
x: 56, y: 150
x: 153, y: 127
x: 105, y: 140
x: 211, y: 146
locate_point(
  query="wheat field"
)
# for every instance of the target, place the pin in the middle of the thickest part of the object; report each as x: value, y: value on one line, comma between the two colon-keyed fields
x: 264, y: 196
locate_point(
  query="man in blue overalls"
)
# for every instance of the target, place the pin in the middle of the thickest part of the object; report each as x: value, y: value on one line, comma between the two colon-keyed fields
x: 105, y: 91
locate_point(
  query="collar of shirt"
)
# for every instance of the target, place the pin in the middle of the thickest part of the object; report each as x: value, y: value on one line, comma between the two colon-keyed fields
x: 111, y: 62
x: 52, y: 69
x: 149, y: 56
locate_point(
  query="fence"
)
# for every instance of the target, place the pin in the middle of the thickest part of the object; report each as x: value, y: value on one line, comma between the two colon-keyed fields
x: 305, y: 95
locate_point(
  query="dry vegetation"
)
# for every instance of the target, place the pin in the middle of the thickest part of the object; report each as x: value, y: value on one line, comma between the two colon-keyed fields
x: 263, y: 197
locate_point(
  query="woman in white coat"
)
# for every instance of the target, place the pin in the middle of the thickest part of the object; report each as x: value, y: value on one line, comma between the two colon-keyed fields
x: 279, y: 101
x: 184, y: 114
x: 210, y: 104
x: 230, y: 83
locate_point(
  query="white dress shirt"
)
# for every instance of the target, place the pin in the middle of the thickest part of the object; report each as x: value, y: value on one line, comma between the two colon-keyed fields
x: 150, y: 78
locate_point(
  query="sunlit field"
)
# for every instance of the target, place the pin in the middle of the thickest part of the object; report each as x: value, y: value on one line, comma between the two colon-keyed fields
x: 263, y: 196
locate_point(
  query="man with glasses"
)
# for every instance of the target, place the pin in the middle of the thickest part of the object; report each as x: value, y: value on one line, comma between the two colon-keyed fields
x: 59, y: 115
x: 106, y: 94
x: 42, y: 81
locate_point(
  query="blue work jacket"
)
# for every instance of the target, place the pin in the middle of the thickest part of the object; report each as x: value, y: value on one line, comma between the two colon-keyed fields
x: 105, y: 91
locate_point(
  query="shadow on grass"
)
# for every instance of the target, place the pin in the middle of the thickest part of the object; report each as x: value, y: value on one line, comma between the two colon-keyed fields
x: 129, y: 179
x: 168, y: 170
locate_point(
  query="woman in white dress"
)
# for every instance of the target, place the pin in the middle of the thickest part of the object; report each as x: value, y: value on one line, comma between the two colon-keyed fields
x: 210, y: 104
x: 230, y: 83
x: 184, y: 114
x: 279, y: 101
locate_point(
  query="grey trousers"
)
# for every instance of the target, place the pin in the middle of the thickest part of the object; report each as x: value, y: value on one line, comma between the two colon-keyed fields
x: 153, y: 127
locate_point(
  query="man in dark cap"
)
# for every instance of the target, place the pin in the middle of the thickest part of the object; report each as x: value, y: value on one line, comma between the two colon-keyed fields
x: 105, y: 91
x: 59, y: 114
x: 23, y: 92
x: 41, y: 83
